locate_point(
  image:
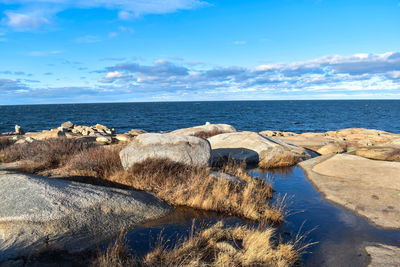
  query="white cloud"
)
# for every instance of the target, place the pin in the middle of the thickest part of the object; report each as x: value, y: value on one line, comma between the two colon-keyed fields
x: 88, y: 39
x: 42, y: 53
x: 22, y: 22
x: 124, y: 15
x: 32, y: 13
x: 126, y: 29
x: 239, y: 42
x: 112, y: 34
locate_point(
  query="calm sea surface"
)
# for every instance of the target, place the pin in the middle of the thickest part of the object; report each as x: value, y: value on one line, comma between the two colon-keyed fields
x: 295, y: 116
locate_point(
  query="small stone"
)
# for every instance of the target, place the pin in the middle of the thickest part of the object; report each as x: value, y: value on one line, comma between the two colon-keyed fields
x: 19, y: 130
x: 67, y: 125
x: 104, y: 139
x: 123, y: 138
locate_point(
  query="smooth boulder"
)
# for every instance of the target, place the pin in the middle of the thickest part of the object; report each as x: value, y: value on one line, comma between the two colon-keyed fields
x: 379, y: 153
x: 331, y: 148
x: 39, y: 214
x: 370, y: 188
x: 255, y: 148
x: 188, y: 150
x: 206, y: 130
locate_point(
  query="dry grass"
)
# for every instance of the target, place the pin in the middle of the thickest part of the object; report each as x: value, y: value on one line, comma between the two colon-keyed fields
x: 182, y: 185
x: 220, y: 246
x: 116, y: 255
x: 285, y: 159
x: 76, y: 157
x: 99, y: 162
x: 42, y: 155
x: 5, y: 142
x: 214, y: 246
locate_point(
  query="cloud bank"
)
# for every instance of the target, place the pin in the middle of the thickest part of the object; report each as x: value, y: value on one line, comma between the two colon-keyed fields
x: 329, y: 77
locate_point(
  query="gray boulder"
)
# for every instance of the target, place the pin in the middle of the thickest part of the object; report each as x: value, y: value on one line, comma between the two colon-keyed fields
x: 188, y: 150
x: 39, y: 214
x: 255, y: 148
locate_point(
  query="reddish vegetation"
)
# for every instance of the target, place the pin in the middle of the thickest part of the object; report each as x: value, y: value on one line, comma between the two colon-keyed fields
x: 206, y: 135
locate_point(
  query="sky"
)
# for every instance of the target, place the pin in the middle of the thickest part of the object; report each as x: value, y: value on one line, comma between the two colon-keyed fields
x: 86, y: 51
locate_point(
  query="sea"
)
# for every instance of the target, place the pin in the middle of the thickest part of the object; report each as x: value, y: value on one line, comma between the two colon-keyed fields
x: 294, y: 116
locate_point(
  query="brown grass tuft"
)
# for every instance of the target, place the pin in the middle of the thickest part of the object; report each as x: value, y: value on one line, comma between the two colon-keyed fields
x: 5, y: 142
x: 220, y: 246
x: 99, y: 162
x: 214, y: 246
x: 192, y: 186
x: 116, y: 255
x: 285, y: 159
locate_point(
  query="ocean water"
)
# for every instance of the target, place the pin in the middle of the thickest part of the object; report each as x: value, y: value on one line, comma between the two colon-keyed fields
x: 296, y: 116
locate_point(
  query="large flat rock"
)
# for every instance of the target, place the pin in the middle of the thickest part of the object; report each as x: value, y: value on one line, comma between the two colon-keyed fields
x: 38, y: 214
x: 383, y: 255
x: 347, y: 139
x: 368, y: 187
x: 208, y: 129
x: 255, y: 148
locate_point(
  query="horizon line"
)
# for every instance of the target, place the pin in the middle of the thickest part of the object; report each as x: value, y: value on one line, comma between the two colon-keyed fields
x: 196, y: 101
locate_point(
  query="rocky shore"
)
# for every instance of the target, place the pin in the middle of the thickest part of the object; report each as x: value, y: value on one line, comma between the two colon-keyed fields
x: 356, y: 168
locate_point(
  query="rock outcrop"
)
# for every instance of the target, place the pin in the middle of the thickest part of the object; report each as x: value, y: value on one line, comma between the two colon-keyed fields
x: 379, y: 153
x: 351, y: 138
x: 188, y: 150
x: 332, y: 148
x: 255, y: 148
x: 277, y: 133
x: 96, y: 133
x: 370, y: 188
x: 383, y: 255
x: 39, y: 214
x: 206, y: 130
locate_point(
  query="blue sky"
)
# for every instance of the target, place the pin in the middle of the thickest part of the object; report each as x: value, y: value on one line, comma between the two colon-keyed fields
x: 64, y: 51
